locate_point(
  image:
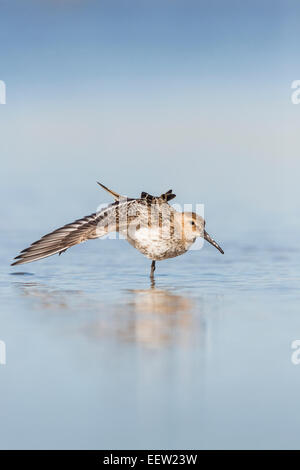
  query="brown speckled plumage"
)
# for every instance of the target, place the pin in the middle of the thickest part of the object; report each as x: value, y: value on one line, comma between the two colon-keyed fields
x: 149, y: 223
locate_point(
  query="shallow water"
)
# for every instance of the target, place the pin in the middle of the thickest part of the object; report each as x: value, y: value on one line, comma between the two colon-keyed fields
x: 99, y: 358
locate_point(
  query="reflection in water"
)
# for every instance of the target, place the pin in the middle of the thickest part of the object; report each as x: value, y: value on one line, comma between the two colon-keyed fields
x: 48, y: 299
x: 152, y: 317
x: 21, y: 273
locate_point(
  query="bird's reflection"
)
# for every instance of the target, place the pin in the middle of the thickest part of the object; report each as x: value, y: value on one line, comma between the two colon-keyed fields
x: 152, y: 317
x: 47, y: 299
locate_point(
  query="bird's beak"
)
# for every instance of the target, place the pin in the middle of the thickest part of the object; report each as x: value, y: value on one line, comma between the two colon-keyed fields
x: 212, y: 242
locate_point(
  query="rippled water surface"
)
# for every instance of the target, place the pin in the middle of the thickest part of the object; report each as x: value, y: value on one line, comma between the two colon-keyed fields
x: 97, y: 357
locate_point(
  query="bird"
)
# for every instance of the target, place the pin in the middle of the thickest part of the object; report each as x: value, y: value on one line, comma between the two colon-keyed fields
x: 149, y: 223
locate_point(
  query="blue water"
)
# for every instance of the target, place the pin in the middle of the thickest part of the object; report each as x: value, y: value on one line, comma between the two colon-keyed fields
x: 99, y: 358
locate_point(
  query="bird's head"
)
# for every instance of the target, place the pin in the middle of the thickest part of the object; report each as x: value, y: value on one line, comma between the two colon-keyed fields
x: 193, y: 226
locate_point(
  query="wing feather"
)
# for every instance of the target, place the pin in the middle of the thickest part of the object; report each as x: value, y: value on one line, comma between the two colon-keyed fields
x: 114, y: 217
x: 92, y: 226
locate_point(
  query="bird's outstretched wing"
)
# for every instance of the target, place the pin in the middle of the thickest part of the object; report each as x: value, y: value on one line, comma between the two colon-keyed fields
x: 115, y: 217
x: 92, y: 226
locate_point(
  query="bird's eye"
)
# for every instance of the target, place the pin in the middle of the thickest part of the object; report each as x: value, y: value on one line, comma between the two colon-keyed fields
x: 192, y: 222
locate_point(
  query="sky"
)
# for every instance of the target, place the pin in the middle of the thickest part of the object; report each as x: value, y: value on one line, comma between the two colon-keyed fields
x: 147, y: 96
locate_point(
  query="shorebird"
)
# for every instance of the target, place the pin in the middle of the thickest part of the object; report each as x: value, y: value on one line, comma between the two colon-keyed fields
x: 148, y: 223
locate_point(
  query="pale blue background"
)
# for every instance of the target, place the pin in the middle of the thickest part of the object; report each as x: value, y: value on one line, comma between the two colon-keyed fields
x: 144, y: 96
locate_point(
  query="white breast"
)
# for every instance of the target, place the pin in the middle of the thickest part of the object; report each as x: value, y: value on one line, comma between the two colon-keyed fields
x: 156, y: 245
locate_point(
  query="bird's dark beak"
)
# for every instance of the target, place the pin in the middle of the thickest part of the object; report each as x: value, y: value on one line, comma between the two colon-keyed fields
x: 212, y: 242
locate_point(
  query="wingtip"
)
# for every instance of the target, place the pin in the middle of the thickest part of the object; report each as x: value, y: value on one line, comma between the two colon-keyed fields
x: 102, y: 186
x: 168, y: 196
x: 17, y: 260
x: 15, y: 263
x: 115, y: 195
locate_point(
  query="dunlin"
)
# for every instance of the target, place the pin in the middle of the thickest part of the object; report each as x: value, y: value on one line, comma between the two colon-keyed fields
x: 148, y: 223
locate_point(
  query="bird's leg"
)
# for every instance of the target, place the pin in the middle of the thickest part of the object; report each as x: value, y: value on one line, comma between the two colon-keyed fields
x: 152, y: 269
